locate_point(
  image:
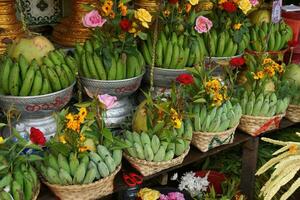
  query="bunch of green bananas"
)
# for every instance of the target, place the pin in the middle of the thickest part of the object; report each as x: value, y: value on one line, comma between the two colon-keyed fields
x: 23, y: 183
x: 81, y: 168
x: 222, y: 44
x: 174, y: 52
x: 21, y: 78
x: 263, y: 104
x: 269, y: 36
x: 152, y: 148
x: 92, y: 64
x: 217, y: 119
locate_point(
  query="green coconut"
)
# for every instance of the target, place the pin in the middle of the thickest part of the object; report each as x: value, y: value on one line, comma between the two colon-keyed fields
x: 32, y: 47
x: 259, y: 16
x: 292, y: 73
x: 139, y: 120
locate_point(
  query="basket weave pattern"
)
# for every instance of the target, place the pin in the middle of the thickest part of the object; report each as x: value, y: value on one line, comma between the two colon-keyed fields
x: 255, y: 125
x: 90, y: 191
x: 37, y: 192
x: 293, y: 113
x: 205, y: 141
x: 147, y: 168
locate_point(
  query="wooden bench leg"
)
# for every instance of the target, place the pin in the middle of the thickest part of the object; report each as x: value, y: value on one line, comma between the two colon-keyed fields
x: 249, y: 160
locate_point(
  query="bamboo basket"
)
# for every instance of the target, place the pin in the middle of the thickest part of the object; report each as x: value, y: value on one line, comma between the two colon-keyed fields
x: 255, y: 125
x: 90, y: 191
x: 147, y: 168
x: 293, y: 113
x: 205, y: 141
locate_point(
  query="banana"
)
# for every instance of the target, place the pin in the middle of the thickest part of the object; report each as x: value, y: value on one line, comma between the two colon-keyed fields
x: 113, y: 70
x: 271, y: 43
x: 234, y: 49
x: 63, y: 163
x: 174, y: 38
x: 63, y: 78
x: 163, y: 41
x: 149, y: 45
x: 46, y: 88
x: 146, y: 53
x: 73, y: 163
x: 5, y: 75
x: 229, y: 47
x: 132, y: 64
x: 14, y: 80
x: 180, y: 40
x: 278, y: 42
x: 90, y: 176
x: 47, y: 61
x: 192, y: 56
x: 202, y: 45
x: 198, y: 56
x: 71, y: 62
x: 221, y: 45
x: 168, y: 55
x: 88, y: 46
x: 212, y: 46
x: 141, y: 59
x: 23, y: 63
x: 17, y: 191
x: 54, y: 80
x: 95, y: 157
x: 91, y: 66
x: 60, y: 55
x: 28, y: 82
x: 120, y: 69
x: 175, y: 56
x: 99, y: 67
x: 37, y: 84
x: 96, y: 43
x: 85, y: 69
x: 54, y: 58
x: 80, y: 173
x: 69, y: 73
x: 159, y: 53
x: 65, y: 177
x: 28, y: 186
x: 5, y: 181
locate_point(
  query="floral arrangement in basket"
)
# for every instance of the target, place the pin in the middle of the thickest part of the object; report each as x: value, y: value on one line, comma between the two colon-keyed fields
x: 176, y: 45
x: 161, y: 136
x: 18, y: 178
x: 111, y: 53
x: 229, y: 35
x: 286, y: 167
x: 264, y: 98
x: 83, y: 153
x: 152, y: 194
x: 215, y: 114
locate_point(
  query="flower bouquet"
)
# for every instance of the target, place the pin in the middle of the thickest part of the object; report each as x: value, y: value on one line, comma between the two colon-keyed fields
x: 161, y: 136
x: 290, y: 75
x: 18, y: 178
x: 215, y: 115
x: 263, y: 97
x: 83, y: 157
x: 161, y: 194
x: 111, y: 53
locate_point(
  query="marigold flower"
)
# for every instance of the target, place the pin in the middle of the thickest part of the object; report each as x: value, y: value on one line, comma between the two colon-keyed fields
x: 177, y: 123
x: 222, y: 1
x: 213, y: 85
x: 81, y: 137
x: 83, y: 148
x: 237, y: 26
x: 188, y: 7
x: 217, y: 99
x: 62, y: 139
x: 112, y: 15
x: 270, y: 71
x: 83, y: 112
x: 267, y: 61
x: 258, y: 75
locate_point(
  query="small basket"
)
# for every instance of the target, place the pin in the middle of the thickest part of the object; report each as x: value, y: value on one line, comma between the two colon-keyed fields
x: 293, y: 113
x: 90, y: 191
x: 147, y: 168
x: 205, y: 141
x: 37, y: 192
x: 255, y: 125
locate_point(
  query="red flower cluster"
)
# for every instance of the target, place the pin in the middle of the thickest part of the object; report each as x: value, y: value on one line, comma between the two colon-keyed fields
x: 173, y: 1
x: 185, y: 79
x: 237, y: 62
x: 229, y: 7
x: 125, y: 25
x: 37, y: 136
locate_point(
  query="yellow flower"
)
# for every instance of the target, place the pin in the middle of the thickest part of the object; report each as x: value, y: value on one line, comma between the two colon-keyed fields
x: 267, y: 61
x: 109, y: 3
x: 188, y: 7
x: 112, y: 15
x: 213, y: 85
x: 194, y: 2
x: 258, y: 75
x: 148, y: 194
x: 83, y: 148
x: 62, y: 139
x: 107, y: 8
x: 143, y: 16
x: 177, y: 123
x: 81, y: 137
x: 245, y: 6
x: 217, y: 99
x: 270, y: 71
x: 280, y: 68
x: 1, y: 140
x: 237, y: 26
x: 123, y: 9
x: 83, y: 112
x: 222, y: 1
x: 70, y: 117
x: 293, y: 149
x: 166, y: 13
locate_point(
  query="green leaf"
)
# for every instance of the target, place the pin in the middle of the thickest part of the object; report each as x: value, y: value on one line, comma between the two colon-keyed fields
x: 107, y: 134
x: 83, y: 104
x: 142, y: 36
x: 200, y: 100
x: 34, y: 146
x: 2, y: 125
x: 3, y: 167
x: 33, y: 157
x: 87, y: 7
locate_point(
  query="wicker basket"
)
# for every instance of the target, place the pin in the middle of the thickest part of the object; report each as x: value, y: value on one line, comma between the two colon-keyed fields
x: 90, y: 191
x: 293, y: 113
x: 205, y: 141
x: 255, y: 125
x: 147, y: 168
x: 37, y: 192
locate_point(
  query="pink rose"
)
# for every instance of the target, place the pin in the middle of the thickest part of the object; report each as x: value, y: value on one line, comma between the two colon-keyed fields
x: 203, y: 24
x: 254, y: 2
x: 93, y: 19
x: 108, y: 101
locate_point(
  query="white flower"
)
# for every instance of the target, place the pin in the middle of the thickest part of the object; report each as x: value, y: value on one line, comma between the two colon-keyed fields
x: 174, y: 177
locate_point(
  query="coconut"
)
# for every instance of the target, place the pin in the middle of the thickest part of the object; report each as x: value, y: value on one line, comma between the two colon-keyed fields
x: 259, y: 16
x: 292, y: 73
x: 32, y: 47
x: 139, y: 120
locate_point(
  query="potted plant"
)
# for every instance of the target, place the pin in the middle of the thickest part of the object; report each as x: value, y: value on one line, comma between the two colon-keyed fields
x: 160, y: 136
x: 18, y: 177
x: 83, y: 157
x: 214, y: 113
x: 264, y: 98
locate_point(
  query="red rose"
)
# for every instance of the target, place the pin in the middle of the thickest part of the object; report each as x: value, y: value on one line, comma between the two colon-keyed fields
x: 237, y: 62
x: 185, y: 79
x: 293, y: 43
x: 173, y: 1
x: 37, y: 136
x: 125, y: 25
x: 229, y: 7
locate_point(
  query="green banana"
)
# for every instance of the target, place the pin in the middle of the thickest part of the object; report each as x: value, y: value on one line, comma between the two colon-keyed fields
x: 28, y: 82
x: 69, y: 73
x: 63, y: 78
x: 23, y: 63
x: 159, y: 53
x: 47, y: 61
x: 80, y: 173
x: 146, y: 53
x: 37, y: 84
x: 65, y: 177
x: 113, y: 70
x: 99, y: 67
x: 54, y: 58
x: 90, y: 176
x: 14, y: 80
x: 73, y: 163
x: 132, y: 64
x: 63, y: 163
x: 91, y: 65
x: 85, y: 69
x: 88, y: 46
x: 46, y: 88
x: 175, y: 56
x: 221, y: 45
x: 71, y: 62
x: 5, y: 75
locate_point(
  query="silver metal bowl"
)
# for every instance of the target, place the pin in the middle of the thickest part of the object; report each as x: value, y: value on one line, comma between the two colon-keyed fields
x: 119, y: 88
x: 40, y: 105
x: 221, y: 60
x: 163, y: 77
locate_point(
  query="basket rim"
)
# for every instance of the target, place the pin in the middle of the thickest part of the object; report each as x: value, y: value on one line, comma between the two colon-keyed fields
x: 151, y: 163
x: 70, y: 187
x: 261, y: 117
x: 294, y: 105
x: 37, y: 192
x: 216, y: 133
